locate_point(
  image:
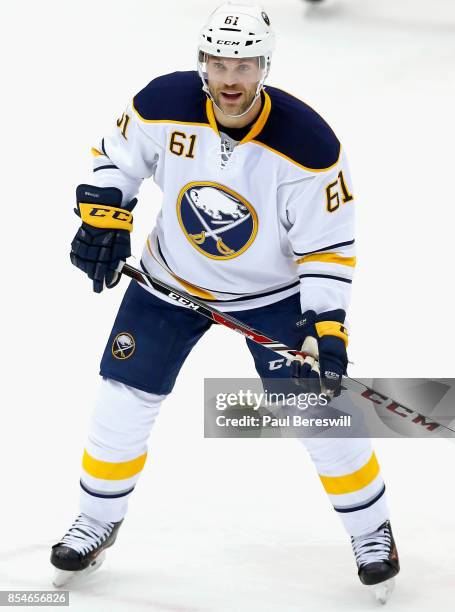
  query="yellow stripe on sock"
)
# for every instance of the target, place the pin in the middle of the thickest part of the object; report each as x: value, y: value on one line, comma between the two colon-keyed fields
x: 340, y: 485
x: 112, y: 471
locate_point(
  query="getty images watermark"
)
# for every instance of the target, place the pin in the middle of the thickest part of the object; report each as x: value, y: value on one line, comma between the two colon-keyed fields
x: 248, y: 408
x: 250, y: 399
x: 246, y: 398
x: 283, y: 408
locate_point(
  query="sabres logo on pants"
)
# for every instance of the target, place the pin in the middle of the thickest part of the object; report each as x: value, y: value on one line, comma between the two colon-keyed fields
x: 218, y: 222
x: 123, y: 346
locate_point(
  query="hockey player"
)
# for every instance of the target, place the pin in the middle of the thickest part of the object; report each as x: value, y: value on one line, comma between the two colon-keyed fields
x: 257, y: 218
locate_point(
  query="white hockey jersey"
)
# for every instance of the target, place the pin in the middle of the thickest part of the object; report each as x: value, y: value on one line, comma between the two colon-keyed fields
x: 241, y: 228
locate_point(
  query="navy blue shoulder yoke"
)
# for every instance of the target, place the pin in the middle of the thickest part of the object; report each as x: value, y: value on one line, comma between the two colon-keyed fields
x: 173, y: 97
x: 295, y: 130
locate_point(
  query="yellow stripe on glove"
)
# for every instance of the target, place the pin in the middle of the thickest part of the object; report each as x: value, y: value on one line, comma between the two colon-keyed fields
x: 106, y: 217
x: 332, y: 328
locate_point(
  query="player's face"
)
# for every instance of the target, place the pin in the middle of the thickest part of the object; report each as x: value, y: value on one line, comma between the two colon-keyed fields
x: 233, y: 82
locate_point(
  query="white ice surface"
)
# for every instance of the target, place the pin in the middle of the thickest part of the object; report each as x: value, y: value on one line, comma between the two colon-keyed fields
x: 224, y: 525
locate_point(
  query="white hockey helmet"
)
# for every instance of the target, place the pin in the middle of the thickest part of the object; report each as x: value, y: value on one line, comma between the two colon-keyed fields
x: 237, y: 31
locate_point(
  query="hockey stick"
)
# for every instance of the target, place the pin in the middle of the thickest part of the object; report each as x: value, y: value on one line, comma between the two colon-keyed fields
x: 211, y: 313
x: 349, y: 384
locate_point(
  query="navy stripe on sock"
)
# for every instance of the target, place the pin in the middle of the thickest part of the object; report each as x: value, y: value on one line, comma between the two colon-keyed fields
x: 363, y: 506
x: 105, y: 495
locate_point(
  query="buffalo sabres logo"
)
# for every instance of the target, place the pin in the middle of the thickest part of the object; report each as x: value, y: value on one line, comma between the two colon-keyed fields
x: 123, y: 346
x: 218, y: 222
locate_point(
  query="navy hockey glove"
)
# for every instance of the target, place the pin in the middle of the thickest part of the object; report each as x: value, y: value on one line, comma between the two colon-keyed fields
x: 103, y: 240
x: 326, y: 338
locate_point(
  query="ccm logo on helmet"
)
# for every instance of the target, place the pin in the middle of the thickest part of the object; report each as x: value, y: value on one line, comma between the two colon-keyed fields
x: 227, y: 42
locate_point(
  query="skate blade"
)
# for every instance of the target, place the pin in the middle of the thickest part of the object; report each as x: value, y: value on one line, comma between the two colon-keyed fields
x: 63, y: 577
x: 382, y: 591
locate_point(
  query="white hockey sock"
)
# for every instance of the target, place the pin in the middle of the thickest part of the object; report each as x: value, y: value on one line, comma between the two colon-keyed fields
x: 351, y: 477
x: 116, y: 448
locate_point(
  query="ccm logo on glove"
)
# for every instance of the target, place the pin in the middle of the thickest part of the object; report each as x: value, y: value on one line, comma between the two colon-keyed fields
x: 103, y: 240
x: 106, y: 217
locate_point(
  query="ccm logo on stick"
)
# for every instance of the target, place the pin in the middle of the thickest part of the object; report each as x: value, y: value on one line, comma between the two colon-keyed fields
x: 182, y: 301
x: 276, y: 364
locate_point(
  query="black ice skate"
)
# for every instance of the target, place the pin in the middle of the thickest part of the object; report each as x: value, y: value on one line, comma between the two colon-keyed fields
x: 82, y: 549
x: 377, y: 560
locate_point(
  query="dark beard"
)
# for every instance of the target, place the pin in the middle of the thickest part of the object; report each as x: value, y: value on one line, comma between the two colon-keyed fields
x: 243, y: 108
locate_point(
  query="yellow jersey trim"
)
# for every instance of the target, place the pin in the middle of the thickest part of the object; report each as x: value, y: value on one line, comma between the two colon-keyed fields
x: 349, y: 483
x: 112, y: 471
x: 95, y: 152
x: 211, y: 116
x: 166, y: 120
x: 261, y: 144
x: 193, y: 289
x: 261, y: 120
x: 328, y: 258
x: 250, y: 137
x: 255, y: 129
